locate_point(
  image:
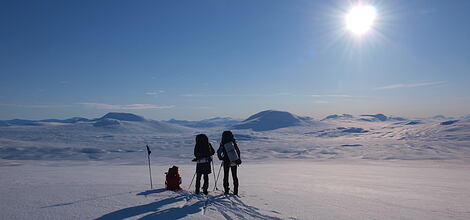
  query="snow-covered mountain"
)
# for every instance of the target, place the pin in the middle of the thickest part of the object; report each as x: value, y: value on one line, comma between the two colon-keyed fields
x: 19, y: 122
x: 380, y: 117
x: 440, y: 117
x: 336, y: 116
x: 365, y: 117
x: 118, y: 121
x: 122, y: 135
x: 271, y: 120
x: 122, y: 116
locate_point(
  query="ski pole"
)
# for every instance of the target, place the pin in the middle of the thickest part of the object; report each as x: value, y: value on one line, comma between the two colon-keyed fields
x: 192, y: 181
x: 218, y: 174
x: 214, y: 175
x: 150, y: 170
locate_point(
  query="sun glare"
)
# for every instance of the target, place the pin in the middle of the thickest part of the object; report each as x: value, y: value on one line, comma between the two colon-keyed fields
x: 360, y: 19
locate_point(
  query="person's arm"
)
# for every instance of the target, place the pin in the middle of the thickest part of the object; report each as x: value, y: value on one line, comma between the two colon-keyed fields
x: 220, y: 152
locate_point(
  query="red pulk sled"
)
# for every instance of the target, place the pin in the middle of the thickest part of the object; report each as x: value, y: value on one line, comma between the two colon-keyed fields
x: 173, y: 179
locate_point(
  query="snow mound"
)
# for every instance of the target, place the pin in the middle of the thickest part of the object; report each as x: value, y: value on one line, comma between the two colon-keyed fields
x: 376, y: 117
x: 397, y: 119
x: 122, y: 116
x: 270, y: 120
x: 335, y: 116
x: 21, y: 122
x: 69, y: 120
x: 449, y: 122
x: 413, y: 123
x: 353, y: 130
x: 440, y: 117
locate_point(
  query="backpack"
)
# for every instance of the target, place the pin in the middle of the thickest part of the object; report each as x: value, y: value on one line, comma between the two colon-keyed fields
x: 173, y: 179
x: 232, y: 153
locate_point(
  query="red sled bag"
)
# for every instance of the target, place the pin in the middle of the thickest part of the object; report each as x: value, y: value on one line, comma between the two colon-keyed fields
x: 173, y: 179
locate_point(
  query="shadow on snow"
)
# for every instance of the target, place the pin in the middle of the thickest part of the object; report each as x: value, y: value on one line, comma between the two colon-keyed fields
x: 86, y: 200
x: 229, y: 207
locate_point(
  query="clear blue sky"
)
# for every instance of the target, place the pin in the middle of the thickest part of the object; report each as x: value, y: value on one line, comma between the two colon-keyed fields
x: 199, y: 59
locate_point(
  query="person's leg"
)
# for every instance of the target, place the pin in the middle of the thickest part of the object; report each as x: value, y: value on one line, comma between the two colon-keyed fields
x: 198, y: 182
x: 235, y: 180
x: 206, y: 183
x: 226, y: 170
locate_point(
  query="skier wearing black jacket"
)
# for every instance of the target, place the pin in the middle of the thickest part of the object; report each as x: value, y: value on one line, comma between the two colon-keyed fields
x: 203, y: 151
x: 227, y: 137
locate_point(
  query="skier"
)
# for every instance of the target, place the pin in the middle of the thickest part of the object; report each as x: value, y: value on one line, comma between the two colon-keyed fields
x: 229, y: 153
x: 203, y: 152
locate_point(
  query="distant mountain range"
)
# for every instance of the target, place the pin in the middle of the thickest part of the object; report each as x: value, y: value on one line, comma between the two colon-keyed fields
x: 123, y: 136
x: 369, y: 118
x: 111, y: 115
x: 124, y: 122
x: 262, y: 121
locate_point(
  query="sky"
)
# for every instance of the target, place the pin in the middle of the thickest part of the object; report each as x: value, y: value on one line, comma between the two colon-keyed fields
x: 201, y: 59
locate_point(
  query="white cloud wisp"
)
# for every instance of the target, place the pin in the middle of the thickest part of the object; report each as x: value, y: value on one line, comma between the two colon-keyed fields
x: 409, y: 85
x: 124, y: 107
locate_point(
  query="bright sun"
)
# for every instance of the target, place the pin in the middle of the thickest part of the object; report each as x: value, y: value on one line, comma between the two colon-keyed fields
x: 360, y: 19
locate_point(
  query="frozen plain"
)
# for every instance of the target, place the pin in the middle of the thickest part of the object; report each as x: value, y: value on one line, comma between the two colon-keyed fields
x: 268, y: 190
x: 324, y: 170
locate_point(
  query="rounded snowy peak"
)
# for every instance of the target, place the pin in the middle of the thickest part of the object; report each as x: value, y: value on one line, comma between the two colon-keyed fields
x: 269, y: 120
x: 123, y: 116
x: 335, y: 116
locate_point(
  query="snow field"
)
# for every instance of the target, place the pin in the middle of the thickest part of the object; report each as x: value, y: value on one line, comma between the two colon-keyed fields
x: 278, y: 189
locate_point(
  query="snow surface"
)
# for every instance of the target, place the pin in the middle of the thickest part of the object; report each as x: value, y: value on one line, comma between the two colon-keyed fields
x: 268, y: 190
x: 340, y: 168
